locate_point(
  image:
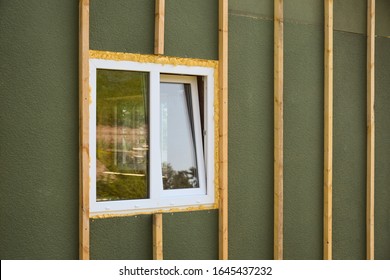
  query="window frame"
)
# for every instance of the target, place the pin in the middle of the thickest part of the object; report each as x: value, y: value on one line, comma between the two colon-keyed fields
x: 159, y: 200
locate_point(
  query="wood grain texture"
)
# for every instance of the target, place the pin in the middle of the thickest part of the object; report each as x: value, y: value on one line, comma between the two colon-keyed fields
x: 84, y: 130
x: 223, y: 129
x: 159, y: 27
x: 370, y: 127
x: 158, y: 237
x: 278, y: 129
x: 328, y: 128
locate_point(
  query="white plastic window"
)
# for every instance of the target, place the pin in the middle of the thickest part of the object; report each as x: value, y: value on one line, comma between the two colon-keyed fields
x: 151, y: 148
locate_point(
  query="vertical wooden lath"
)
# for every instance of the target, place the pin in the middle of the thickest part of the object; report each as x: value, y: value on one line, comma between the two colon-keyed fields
x: 370, y: 127
x: 159, y: 27
x: 84, y: 129
x: 157, y: 237
x: 278, y: 129
x: 328, y: 129
x: 223, y: 129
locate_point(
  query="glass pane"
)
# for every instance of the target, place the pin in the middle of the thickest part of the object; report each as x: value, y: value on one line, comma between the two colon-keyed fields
x: 179, y: 167
x: 122, y: 138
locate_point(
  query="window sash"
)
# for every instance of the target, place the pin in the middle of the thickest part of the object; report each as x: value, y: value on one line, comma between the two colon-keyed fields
x: 191, y: 80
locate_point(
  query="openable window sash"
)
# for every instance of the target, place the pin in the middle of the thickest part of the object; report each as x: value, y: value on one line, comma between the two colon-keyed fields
x: 177, y: 139
x: 181, y: 136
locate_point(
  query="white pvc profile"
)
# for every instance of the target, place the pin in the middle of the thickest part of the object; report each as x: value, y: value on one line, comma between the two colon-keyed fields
x: 158, y: 198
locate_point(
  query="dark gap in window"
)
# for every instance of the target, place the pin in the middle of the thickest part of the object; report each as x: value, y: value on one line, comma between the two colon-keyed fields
x: 187, y: 88
x: 200, y: 82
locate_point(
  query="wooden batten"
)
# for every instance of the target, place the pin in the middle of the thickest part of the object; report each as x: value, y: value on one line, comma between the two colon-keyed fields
x: 328, y: 128
x: 84, y: 129
x: 370, y: 127
x: 159, y: 27
x: 278, y: 129
x: 158, y: 237
x: 223, y: 129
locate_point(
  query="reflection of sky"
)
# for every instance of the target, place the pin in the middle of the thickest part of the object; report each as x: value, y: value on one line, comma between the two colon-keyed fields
x: 176, y: 135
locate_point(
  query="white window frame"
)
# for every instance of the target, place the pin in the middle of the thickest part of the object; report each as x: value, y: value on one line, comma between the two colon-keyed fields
x: 159, y: 199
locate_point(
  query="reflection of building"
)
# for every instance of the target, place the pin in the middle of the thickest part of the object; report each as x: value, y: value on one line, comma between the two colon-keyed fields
x: 127, y: 147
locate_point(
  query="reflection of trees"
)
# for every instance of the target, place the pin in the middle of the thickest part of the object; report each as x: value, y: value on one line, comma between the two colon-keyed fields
x: 179, y: 179
x: 115, y: 182
x: 120, y: 187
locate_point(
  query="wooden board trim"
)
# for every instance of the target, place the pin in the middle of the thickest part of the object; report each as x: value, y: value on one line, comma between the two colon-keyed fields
x: 158, y: 237
x: 159, y: 27
x: 328, y: 128
x: 223, y: 129
x: 84, y: 242
x: 278, y: 129
x: 370, y: 128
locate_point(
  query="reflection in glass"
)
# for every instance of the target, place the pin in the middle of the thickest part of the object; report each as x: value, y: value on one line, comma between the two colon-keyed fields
x: 122, y: 140
x: 179, y: 166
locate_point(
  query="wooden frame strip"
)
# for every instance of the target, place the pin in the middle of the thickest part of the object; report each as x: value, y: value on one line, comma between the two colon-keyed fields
x: 84, y: 129
x: 159, y: 27
x: 370, y: 127
x: 158, y: 237
x: 328, y: 128
x: 223, y: 129
x: 278, y: 129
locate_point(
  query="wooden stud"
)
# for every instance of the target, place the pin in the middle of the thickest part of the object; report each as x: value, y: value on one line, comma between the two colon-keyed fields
x: 370, y: 127
x: 328, y: 129
x: 84, y: 129
x: 157, y: 237
x: 223, y: 130
x: 278, y: 129
x: 159, y: 27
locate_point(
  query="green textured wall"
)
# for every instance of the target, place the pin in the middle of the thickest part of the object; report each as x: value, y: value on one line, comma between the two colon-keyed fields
x: 122, y: 25
x: 39, y: 129
x: 303, y: 129
x: 349, y: 157
x: 303, y: 134
x: 191, y: 28
x: 382, y: 153
x: 250, y: 138
x: 382, y: 86
x: 39, y: 123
